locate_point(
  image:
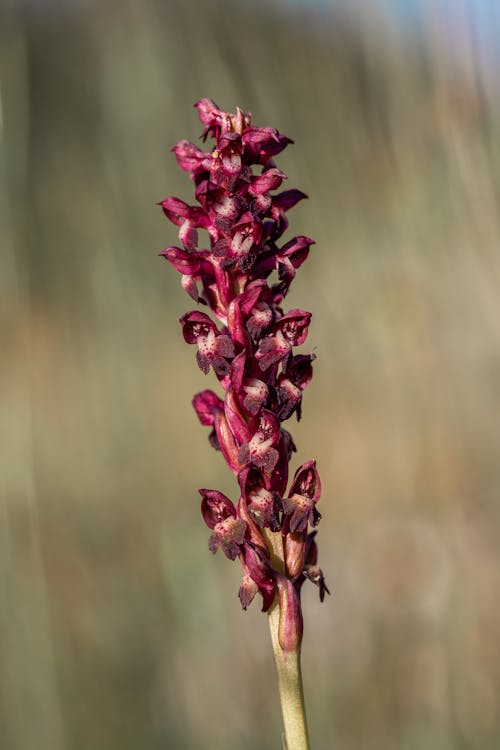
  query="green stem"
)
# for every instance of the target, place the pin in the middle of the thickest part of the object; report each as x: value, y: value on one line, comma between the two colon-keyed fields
x: 290, y: 688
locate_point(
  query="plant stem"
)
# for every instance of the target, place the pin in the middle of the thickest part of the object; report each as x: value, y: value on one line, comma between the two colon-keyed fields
x: 290, y: 688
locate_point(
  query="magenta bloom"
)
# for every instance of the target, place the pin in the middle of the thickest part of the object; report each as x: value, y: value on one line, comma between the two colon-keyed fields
x: 242, y: 279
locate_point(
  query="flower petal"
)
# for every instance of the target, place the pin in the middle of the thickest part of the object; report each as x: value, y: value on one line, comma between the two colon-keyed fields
x: 196, y: 325
x: 182, y: 260
x: 190, y: 158
x: 251, y: 294
x: 272, y: 350
x: 256, y: 393
x: 215, y: 507
x: 294, y: 326
x: 288, y: 199
x: 260, y: 319
x: 306, y: 481
x: 270, y: 179
x: 228, y: 535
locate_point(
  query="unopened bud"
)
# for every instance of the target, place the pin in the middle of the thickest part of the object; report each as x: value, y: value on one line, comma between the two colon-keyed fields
x: 291, y: 625
x: 295, y: 549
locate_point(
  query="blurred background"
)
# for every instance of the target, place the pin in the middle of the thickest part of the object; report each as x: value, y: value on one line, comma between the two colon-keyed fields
x: 118, y: 630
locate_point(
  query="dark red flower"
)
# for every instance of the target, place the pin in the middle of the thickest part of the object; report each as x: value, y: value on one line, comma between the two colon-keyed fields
x: 214, y: 348
x: 260, y: 449
x: 219, y: 514
x: 264, y: 504
x: 300, y: 505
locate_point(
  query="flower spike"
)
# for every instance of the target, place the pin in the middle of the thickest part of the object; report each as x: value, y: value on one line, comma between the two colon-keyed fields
x: 249, y: 341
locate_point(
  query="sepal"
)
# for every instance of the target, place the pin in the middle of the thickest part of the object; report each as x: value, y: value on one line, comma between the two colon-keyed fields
x: 270, y: 179
x: 206, y: 405
x: 288, y: 199
x: 178, y: 211
x: 215, y: 507
x: 306, y: 481
x: 182, y: 260
x: 190, y: 158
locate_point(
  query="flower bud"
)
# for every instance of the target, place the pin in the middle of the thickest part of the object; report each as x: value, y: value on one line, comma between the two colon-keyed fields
x: 290, y: 628
x: 295, y: 549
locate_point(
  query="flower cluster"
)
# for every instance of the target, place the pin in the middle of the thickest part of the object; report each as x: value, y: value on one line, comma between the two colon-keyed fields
x: 243, y: 278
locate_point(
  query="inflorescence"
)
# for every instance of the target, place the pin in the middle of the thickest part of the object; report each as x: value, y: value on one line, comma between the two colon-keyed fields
x: 243, y: 279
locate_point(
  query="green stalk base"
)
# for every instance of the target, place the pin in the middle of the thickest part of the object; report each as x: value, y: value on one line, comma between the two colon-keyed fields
x: 290, y: 688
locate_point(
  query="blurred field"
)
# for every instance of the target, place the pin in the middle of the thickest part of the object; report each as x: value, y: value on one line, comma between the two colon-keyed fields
x: 117, y: 628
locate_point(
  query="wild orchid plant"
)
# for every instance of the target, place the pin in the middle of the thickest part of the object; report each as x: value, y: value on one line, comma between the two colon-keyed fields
x: 251, y: 352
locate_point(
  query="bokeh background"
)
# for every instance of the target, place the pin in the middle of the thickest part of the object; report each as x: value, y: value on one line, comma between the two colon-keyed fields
x: 118, y: 629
